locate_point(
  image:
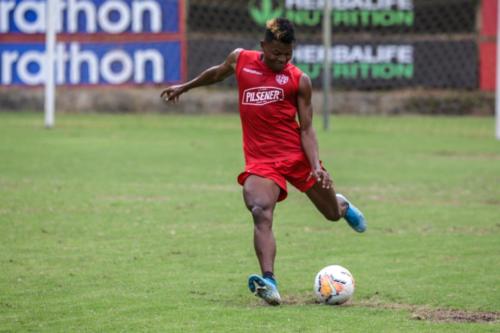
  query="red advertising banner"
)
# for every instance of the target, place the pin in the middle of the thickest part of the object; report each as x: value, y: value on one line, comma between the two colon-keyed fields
x: 487, y: 45
x: 489, y: 18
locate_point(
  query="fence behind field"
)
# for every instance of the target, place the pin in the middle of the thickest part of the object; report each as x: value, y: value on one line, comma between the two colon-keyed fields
x: 428, y: 44
x: 392, y: 56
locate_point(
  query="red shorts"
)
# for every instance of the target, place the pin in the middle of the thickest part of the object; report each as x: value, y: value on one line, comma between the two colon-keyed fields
x: 295, y: 171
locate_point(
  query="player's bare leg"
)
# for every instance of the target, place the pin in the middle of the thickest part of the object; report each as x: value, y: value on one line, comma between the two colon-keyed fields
x: 325, y: 200
x: 334, y: 206
x: 260, y: 195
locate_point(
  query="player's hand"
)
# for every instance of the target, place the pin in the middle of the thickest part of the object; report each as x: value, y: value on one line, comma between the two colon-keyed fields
x: 322, y: 176
x: 172, y: 93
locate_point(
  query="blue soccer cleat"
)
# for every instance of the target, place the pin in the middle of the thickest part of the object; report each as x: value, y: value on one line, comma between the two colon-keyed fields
x: 353, y: 216
x: 264, y: 288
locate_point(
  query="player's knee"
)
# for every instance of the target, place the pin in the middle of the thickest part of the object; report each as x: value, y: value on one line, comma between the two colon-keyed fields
x: 332, y: 215
x: 260, y: 214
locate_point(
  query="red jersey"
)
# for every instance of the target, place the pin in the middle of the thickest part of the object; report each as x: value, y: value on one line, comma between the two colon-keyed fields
x: 268, y: 109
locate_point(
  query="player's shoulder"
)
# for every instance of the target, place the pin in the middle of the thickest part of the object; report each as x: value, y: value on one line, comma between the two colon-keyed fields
x: 243, y: 56
x: 298, y: 75
x: 305, y: 78
x: 237, y: 50
x: 247, y: 53
x: 295, y: 70
x: 234, y: 57
x: 234, y: 54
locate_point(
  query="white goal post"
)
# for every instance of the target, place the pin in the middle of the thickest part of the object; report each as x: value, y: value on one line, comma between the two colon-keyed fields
x: 50, y: 44
x: 327, y: 44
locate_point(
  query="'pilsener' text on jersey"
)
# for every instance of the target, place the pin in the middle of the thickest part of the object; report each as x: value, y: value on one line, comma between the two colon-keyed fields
x: 268, y: 109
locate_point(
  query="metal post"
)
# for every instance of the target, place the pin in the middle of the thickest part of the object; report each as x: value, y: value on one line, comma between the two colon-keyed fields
x: 50, y: 42
x: 327, y: 42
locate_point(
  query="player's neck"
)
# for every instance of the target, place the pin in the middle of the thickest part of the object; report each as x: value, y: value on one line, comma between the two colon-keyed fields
x: 263, y: 61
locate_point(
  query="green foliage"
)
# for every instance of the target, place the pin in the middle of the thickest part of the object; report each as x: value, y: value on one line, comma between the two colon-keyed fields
x: 135, y: 223
x: 265, y: 12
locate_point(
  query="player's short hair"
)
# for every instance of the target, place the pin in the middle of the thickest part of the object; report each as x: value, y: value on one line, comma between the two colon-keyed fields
x: 281, y: 30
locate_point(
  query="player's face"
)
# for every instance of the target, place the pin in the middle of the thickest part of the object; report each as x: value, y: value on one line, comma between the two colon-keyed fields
x: 276, y: 54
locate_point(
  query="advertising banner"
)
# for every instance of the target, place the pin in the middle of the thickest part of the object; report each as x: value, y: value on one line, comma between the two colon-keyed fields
x: 432, y: 64
x: 100, y: 42
x: 390, y: 16
x: 91, y: 63
x: 377, y: 44
x: 436, y: 64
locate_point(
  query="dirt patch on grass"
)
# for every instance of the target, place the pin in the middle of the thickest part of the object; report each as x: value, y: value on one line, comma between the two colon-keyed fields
x: 436, y: 315
x: 467, y: 156
x: 416, y: 312
x: 459, y: 316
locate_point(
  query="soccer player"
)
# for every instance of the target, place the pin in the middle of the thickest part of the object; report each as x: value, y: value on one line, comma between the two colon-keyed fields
x: 279, y: 142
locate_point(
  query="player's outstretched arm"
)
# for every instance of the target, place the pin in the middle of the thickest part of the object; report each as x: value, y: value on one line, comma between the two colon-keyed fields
x: 209, y: 76
x: 307, y: 132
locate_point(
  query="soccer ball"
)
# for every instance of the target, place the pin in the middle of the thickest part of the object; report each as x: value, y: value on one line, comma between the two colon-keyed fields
x: 334, y: 285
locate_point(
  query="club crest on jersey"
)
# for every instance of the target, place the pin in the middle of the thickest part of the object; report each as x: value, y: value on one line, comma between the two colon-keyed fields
x: 262, y: 95
x: 281, y: 79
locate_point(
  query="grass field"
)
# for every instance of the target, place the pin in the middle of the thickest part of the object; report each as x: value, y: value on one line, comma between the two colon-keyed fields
x: 135, y: 223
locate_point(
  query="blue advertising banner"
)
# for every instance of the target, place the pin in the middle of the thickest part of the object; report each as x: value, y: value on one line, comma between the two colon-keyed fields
x: 92, y: 63
x: 100, y: 42
x: 97, y: 16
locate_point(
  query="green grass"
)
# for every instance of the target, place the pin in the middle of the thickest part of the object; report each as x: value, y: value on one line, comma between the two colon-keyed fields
x: 136, y: 223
